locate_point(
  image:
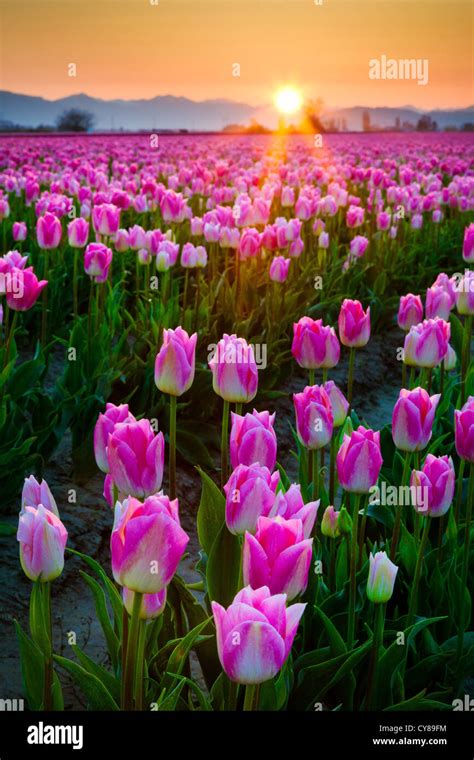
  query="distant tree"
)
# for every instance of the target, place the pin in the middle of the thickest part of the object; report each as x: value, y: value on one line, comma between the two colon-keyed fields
x: 75, y: 120
x: 366, y: 121
x: 426, y: 124
x: 312, y: 113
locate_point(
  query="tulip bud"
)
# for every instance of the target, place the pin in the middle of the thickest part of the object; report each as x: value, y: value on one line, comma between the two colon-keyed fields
x: 175, y: 362
x: 35, y: 493
x: 354, y: 324
x: 412, y: 419
x: 250, y: 494
x: 136, y: 458
x: 152, y: 604
x: 42, y: 538
x: 330, y: 523
x: 253, y: 439
x: 344, y: 522
x: 381, y: 580
x: 359, y: 460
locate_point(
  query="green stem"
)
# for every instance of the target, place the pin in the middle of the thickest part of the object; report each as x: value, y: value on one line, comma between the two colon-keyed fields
x: 465, y: 568
x: 466, y: 349
x: 251, y: 697
x: 48, y: 663
x: 350, y: 379
x: 132, y: 646
x: 398, y: 514
x: 311, y: 376
x: 225, y: 443
x: 315, y: 475
x: 74, y: 281
x: 462, y: 465
x: 416, y: 581
x: 353, y: 570
x: 44, y: 304
x: 377, y: 643
x: 238, y: 407
x: 332, y: 467
x: 325, y: 375
x: 139, y: 674
x: 172, y: 454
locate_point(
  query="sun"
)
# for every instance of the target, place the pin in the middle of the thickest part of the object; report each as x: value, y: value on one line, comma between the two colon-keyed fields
x: 288, y: 100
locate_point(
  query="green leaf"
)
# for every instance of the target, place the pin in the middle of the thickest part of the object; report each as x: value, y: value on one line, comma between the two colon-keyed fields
x: 32, y: 669
x: 38, y: 624
x: 98, y: 592
x: 114, y: 596
x: 180, y: 654
x: 111, y: 683
x: 97, y: 696
x: 211, y: 512
x: 223, y: 567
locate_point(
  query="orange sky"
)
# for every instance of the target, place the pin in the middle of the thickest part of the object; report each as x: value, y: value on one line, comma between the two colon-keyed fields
x: 132, y: 49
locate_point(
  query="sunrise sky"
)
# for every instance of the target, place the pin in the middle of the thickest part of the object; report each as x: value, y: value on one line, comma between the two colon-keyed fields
x: 133, y: 49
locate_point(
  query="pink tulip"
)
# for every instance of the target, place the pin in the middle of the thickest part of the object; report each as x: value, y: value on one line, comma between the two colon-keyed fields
x: 250, y: 242
x: 329, y: 523
x: 464, y: 430
x: 48, y: 231
x: 255, y: 634
x: 314, y: 418
x: 234, y: 371
x: 97, y: 261
x: 468, y: 244
x: 438, y: 303
x: 465, y: 294
x: 137, y: 237
x: 339, y: 403
x: 104, y: 427
x: 315, y: 345
x: 12, y: 260
x: 27, y: 290
x: 42, y: 538
x: 151, y: 607
x: 136, y: 458
x: 106, y: 219
x: 412, y: 419
x: 278, y: 556
x: 78, y: 233
x: 19, y: 231
x: 410, y: 312
x: 147, y: 543
x: 253, y: 439
x: 175, y: 362
x: 433, y: 486
x: 250, y: 494
x: 447, y: 284
x: 426, y: 344
x: 290, y: 505
x: 354, y: 324
x: 34, y: 494
x: 358, y: 246
x: 121, y: 242
x: 354, y: 216
x: 279, y: 269
x: 359, y: 460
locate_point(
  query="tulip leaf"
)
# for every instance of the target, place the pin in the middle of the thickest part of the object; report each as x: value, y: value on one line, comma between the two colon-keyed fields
x: 32, y: 669
x: 222, y: 585
x: 211, y: 512
x: 111, y: 683
x: 195, y: 613
x: 418, y: 702
x: 114, y: 596
x: 96, y: 694
x: 169, y: 702
x: 180, y: 654
x: 38, y: 623
x: 98, y: 592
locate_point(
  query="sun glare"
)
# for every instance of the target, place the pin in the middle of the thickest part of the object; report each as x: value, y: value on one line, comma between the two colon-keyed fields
x: 288, y: 100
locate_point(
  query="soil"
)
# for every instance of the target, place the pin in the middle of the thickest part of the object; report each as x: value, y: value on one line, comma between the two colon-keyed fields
x: 89, y: 520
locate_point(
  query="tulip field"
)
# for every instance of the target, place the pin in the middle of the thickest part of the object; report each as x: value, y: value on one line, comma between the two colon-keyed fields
x: 192, y: 320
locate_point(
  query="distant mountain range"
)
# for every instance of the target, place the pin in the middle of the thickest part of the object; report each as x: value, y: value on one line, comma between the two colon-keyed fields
x: 174, y: 113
